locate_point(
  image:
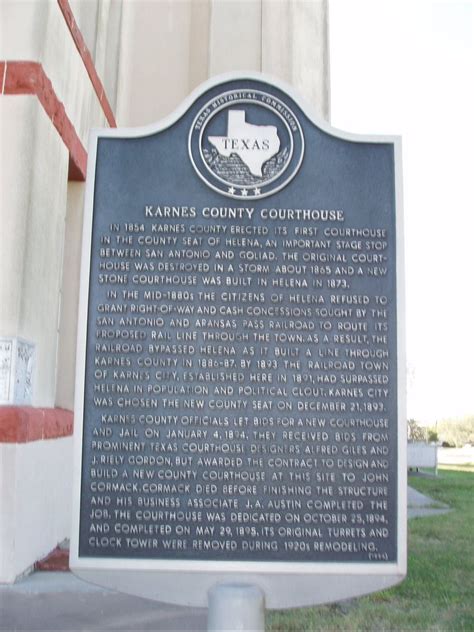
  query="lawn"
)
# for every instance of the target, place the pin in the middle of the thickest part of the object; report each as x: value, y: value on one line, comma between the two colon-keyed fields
x: 438, y: 593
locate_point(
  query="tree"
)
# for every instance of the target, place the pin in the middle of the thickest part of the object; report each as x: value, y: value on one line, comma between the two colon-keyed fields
x: 457, y: 432
x: 415, y: 431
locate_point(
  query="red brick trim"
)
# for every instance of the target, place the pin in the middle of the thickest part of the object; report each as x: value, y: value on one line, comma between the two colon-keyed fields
x: 22, y: 424
x: 3, y: 70
x: 87, y: 60
x: 28, y: 77
x: 57, y: 560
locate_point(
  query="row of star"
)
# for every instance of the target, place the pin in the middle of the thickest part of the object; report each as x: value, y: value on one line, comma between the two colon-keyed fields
x: 243, y: 192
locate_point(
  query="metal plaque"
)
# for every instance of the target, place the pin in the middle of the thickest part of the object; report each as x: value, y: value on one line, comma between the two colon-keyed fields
x: 240, y: 382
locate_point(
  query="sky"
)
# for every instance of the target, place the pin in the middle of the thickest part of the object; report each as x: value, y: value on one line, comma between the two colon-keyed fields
x: 407, y: 68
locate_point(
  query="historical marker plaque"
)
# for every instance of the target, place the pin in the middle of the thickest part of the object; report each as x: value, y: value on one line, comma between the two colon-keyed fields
x: 239, y: 410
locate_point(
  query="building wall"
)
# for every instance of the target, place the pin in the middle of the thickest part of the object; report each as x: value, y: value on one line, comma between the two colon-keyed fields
x: 285, y: 39
x: 48, y: 104
x: 35, y: 482
x: 67, y: 66
x: 44, y: 81
x: 32, y: 255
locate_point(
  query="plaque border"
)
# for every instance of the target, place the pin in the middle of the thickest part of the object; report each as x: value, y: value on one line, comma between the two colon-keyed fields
x: 286, y: 584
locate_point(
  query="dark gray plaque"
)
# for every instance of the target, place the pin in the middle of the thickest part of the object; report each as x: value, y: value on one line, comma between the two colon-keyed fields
x: 239, y: 403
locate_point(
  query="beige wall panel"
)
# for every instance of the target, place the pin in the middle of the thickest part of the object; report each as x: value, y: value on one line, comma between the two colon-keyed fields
x: 17, y: 120
x: 310, y: 73
x: 35, y: 164
x: 277, y: 44
x: 199, y: 42
x: 154, y: 61
x: 85, y: 14
x: 108, y: 44
x: 65, y: 68
x: 34, y: 203
x: 169, y: 48
x: 99, y: 21
x: 70, y: 297
x: 295, y: 47
x: 235, y: 37
x: 37, y: 31
x: 22, y: 28
x: 8, y: 508
x: 43, y: 249
x: 33, y: 494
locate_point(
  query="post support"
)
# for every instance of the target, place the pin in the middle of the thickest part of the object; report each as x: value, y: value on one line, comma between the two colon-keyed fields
x: 236, y: 606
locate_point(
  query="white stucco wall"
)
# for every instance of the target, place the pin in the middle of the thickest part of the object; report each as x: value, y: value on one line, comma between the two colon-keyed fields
x: 70, y: 296
x: 154, y: 71
x: 295, y: 48
x: 36, y: 203
x: 35, y: 166
x: 32, y: 216
x: 35, y: 502
x: 37, y: 31
x: 168, y: 48
x: 99, y: 21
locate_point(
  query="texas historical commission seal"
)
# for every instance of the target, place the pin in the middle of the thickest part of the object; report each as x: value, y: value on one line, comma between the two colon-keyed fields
x: 246, y: 144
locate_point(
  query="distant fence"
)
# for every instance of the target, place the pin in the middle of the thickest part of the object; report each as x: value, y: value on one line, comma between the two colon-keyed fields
x: 456, y: 456
x: 421, y: 454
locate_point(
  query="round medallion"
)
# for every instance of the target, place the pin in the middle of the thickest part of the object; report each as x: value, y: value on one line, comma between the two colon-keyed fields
x: 246, y: 144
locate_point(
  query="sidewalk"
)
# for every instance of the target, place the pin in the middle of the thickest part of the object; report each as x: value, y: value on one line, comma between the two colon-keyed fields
x: 47, y: 601
x: 420, y: 505
x: 50, y: 601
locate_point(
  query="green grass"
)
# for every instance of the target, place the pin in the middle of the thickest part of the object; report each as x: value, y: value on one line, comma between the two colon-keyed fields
x: 438, y: 593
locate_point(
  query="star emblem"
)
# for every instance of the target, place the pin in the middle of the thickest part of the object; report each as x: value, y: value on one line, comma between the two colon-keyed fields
x: 244, y: 192
x: 257, y: 191
x: 231, y: 190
